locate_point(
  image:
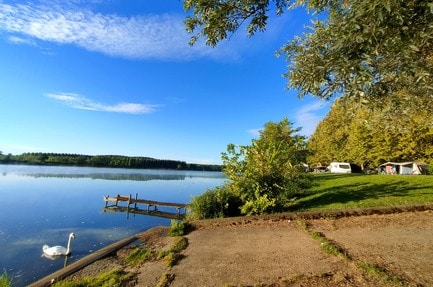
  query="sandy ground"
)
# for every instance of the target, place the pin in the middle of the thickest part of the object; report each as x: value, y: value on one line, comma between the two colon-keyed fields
x: 280, y: 252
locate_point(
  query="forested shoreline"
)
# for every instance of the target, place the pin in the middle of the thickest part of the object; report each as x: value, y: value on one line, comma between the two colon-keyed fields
x: 111, y: 161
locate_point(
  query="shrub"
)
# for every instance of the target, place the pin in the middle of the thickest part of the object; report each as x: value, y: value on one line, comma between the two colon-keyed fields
x: 261, y: 204
x: 177, y: 228
x: 215, y: 203
x: 264, y: 177
x: 430, y: 169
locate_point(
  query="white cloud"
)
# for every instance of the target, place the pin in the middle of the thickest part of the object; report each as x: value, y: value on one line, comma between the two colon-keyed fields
x: 19, y: 40
x: 308, y: 117
x: 138, y: 37
x: 79, y: 102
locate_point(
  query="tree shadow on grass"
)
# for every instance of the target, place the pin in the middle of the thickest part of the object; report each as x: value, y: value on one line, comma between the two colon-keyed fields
x: 345, y: 194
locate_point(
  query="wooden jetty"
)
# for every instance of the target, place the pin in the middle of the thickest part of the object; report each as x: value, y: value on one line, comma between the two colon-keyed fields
x: 129, y: 200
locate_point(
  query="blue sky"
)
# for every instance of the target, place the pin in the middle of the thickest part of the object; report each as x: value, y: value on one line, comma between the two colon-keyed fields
x: 118, y: 77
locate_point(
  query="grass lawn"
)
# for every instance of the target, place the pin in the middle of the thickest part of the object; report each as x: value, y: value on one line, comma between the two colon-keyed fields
x: 337, y: 191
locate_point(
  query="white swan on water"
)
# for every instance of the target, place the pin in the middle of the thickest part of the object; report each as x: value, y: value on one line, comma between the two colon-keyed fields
x: 58, y: 250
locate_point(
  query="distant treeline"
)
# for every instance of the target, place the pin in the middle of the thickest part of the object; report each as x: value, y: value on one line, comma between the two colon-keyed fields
x: 115, y: 161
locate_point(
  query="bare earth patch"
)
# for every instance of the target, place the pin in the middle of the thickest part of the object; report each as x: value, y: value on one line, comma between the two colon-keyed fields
x: 263, y: 254
x: 401, y: 243
x: 278, y: 252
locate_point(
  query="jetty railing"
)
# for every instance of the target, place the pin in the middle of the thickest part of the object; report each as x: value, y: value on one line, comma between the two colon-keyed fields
x: 129, y: 200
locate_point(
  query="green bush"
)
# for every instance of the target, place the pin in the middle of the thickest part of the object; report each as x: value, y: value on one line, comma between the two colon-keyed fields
x: 216, y: 203
x: 264, y: 177
x: 430, y: 169
x: 260, y: 205
x: 177, y: 228
x: 269, y: 173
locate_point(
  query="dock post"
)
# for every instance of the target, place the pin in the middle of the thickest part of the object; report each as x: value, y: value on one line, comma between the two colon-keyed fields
x: 136, y: 197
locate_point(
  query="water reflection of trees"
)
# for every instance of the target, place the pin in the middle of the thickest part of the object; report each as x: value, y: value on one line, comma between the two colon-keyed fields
x: 111, y: 176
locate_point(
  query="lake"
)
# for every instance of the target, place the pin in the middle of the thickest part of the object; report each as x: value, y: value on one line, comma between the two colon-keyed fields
x: 43, y: 204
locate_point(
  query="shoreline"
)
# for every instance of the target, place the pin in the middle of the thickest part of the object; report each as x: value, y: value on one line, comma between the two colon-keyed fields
x: 83, y: 262
x: 234, y: 224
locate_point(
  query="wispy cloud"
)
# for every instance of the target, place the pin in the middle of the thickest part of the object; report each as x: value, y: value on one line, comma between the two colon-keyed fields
x: 308, y: 117
x: 79, y: 102
x: 20, y: 40
x: 139, y: 37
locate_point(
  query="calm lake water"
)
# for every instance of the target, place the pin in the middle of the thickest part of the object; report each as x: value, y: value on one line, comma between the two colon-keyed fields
x: 42, y: 205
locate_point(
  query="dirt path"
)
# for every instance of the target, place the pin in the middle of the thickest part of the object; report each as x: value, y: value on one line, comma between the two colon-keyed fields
x: 272, y: 252
x: 257, y: 254
x: 401, y: 243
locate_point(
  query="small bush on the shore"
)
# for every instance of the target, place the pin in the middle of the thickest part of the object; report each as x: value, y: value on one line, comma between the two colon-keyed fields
x: 5, y: 280
x: 138, y: 256
x: 111, y: 278
x: 216, y: 203
x: 177, y: 228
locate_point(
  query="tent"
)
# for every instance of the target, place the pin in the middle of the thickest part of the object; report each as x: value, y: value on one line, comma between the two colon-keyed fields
x: 409, y: 167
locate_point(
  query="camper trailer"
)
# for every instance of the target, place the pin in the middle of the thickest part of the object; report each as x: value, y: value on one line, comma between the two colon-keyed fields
x: 403, y: 168
x: 340, y: 167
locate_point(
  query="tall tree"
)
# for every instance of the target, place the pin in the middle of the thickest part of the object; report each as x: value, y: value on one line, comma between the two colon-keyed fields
x: 400, y: 130
x: 328, y: 143
x: 269, y: 172
x: 363, y: 48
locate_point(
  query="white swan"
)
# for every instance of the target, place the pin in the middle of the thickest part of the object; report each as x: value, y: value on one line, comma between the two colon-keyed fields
x: 58, y: 250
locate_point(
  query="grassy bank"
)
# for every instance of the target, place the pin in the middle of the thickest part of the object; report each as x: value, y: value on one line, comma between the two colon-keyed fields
x: 5, y: 280
x: 341, y: 191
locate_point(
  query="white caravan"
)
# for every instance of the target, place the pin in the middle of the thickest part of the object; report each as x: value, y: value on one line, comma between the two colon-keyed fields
x: 340, y: 167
